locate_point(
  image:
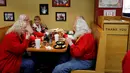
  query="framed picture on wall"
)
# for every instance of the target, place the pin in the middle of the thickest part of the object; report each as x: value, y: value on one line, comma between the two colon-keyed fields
x: 110, y: 3
x: 60, y: 16
x: 60, y: 3
x: 9, y: 16
x: 2, y: 2
x: 44, y: 9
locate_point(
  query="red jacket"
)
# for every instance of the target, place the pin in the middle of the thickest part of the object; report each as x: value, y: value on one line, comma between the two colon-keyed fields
x: 84, y: 48
x: 38, y: 34
x: 11, y: 50
x: 126, y: 63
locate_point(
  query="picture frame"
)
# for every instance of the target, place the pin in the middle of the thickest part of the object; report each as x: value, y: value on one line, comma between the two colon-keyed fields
x: 110, y: 3
x: 60, y: 3
x: 9, y: 16
x: 2, y: 2
x: 44, y: 9
x: 61, y: 16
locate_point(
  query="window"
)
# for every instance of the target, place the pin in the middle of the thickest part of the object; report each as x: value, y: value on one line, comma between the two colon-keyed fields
x: 126, y: 8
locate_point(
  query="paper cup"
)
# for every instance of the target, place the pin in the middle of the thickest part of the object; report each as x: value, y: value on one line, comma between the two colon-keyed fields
x: 56, y: 37
x: 37, y: 43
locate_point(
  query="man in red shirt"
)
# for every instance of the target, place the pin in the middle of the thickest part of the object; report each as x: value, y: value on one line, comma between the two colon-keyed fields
x: 13, y: 45
x: 126, y: 63
x: 82, y: 50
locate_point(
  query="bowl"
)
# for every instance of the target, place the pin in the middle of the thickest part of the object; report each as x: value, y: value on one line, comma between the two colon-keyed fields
x: 60, y: 42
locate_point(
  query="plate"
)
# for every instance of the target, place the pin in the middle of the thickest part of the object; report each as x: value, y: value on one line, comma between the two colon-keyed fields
x: 58, y: 46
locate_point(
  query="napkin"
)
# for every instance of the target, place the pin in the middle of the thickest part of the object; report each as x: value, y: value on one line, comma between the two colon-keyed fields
x: 48, y: 47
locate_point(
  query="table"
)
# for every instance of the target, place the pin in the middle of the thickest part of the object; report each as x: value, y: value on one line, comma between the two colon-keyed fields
x: 43, y: 49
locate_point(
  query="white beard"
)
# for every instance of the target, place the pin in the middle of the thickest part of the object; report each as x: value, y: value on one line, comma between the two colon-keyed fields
x: 78, y: 34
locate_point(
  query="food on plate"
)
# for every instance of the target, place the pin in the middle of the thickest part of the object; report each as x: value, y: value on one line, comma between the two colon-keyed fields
x: 60, y: 42
x: 57, y: 46
x: 63, y: 46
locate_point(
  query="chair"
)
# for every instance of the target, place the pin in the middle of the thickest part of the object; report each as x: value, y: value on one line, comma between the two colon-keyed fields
x: 3, y: 30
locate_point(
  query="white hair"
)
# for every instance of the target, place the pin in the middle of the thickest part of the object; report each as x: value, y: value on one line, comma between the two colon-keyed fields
x: 18, y: 25
x: 81, y: 27
x: 22, y: 17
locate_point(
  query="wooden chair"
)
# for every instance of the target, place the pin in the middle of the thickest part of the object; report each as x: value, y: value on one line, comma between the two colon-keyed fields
x: 100, y: 38
x: 3, y: 30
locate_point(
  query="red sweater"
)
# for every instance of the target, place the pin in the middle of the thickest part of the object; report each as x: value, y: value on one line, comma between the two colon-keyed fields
x: 11, y: 50
x: 126, y: 63
x: 84, y: 48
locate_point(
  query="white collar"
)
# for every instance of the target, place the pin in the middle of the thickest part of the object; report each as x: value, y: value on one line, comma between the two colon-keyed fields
x: 38, y: 28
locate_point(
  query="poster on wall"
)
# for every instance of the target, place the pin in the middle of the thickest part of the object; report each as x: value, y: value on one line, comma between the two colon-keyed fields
x: 110, y: 3
x: 8, y: 16
x: 109, y: 12
x: 2, y: 2
x: 44, y: 9
x: 60, y: 3
x: 60, y: 16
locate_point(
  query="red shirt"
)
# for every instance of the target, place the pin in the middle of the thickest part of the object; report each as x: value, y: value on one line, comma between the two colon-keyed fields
x: 11, y: 50
x: 84, y: 48
x: 126, y: 63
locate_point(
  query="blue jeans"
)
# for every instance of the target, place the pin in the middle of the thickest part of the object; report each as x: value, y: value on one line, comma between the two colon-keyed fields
x: 65, y: 57
x: 27, y: 65
x: 73, y: 64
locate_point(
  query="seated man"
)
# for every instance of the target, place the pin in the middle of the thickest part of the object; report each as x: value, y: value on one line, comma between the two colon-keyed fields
x: 82, y: 50
x: 13, y: 45
x: 126, y: 63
